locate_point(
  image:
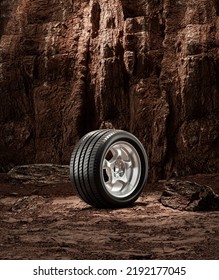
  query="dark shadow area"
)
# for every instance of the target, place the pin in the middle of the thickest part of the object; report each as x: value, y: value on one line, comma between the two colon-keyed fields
x: 138, y: 8
x: 216, y: 3
x: 131, y: 10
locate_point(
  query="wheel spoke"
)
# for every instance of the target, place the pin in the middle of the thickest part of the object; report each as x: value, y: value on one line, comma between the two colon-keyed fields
x: 118, y: 184
x: 112, y: 180
x: 106, y: 164
x: 125, y: 186
x: 127, y: 163
x: 123, y: 180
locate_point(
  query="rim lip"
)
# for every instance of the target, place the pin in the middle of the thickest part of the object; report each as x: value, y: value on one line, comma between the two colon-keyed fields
x: 136, y: 161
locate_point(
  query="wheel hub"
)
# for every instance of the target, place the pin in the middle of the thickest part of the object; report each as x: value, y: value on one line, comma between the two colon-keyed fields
x: 119, y: 168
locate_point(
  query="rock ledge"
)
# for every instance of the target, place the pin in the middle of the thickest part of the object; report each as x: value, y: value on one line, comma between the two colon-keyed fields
x: 40, y: 174
x: 189, y: 196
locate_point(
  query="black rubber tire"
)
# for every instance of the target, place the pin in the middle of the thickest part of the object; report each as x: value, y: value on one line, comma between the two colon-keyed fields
x: 86, y: 168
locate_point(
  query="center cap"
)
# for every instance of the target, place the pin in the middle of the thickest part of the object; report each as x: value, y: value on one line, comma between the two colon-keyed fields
x: 119, y: 168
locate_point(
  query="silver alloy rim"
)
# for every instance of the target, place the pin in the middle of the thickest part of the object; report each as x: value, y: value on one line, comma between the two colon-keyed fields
x: 121, y: 169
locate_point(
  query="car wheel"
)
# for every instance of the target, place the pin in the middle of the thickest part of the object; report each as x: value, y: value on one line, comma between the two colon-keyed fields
x: 109, y: 168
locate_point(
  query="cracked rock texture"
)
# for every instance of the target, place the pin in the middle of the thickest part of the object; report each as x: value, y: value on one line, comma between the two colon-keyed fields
x: 189, y: 196
x: 149, y: 66
x: 40, y: 174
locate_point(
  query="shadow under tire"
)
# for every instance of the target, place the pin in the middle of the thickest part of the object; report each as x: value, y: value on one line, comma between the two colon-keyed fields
x: 109, y: 168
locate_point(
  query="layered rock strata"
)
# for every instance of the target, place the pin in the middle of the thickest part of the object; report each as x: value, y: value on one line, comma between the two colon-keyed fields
x: 149, y: 66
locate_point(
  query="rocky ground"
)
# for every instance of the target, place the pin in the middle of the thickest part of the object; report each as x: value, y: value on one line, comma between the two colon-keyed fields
x: 47, y: 221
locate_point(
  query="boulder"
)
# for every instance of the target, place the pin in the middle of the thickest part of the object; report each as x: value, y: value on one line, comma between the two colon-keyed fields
x: 189, y: 196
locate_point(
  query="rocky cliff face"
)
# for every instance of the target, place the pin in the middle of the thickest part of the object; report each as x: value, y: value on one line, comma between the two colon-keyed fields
x: 149, y: 66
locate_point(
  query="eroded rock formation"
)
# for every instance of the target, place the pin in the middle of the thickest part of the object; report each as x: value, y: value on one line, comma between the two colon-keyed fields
x: 149, y: 66
x: 39, y: 174
x: 189, y: 196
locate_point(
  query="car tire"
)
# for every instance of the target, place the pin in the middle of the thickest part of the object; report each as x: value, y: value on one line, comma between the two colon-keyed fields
x: 109, y: 168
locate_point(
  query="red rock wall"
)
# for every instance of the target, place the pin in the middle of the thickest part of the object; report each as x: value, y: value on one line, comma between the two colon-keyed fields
x: 149, y: 66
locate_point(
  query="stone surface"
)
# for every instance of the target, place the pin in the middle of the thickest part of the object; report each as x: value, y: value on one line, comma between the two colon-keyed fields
x: 149, y: 67
x: 40, y: 174
x: 190, y: 196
